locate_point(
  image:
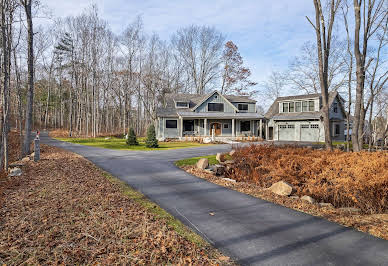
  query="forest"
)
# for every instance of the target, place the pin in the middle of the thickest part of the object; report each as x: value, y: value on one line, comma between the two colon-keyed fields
x: 76, y: 74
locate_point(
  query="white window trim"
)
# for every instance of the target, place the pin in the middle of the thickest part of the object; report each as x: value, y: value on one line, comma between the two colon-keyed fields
x: 179, y: 107
x: 301, y: 106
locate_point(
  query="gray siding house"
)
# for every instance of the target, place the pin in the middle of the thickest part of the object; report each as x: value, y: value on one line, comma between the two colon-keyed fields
x: 299, y: 118
x: 208, y: 115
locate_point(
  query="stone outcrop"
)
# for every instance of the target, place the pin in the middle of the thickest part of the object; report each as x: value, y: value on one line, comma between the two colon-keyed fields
x: 308, y: 199
x: 281, y: 188
x: 203, y: 163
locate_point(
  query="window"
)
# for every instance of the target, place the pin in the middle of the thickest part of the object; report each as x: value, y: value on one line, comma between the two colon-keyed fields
x: 215, y: 107
x: 311, y: 106
x: 336, y: 129
x: 304, y: 126
x: 245, y: 125
x: 182, y: 104
x: 291, y: 126
x: 314, y: 126
x: 243, y: 107
x: 304, y: 106
x: 171, y: 123
x: 298, y: 107
x: 226, y: 125
x: 292, y: 104
x: 285, y: 107
x: 335, y: 107
x: 282, y: 126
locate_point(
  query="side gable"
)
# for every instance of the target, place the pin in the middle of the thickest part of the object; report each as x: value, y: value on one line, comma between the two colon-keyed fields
x: 341, y: 114
x: 215, y: 97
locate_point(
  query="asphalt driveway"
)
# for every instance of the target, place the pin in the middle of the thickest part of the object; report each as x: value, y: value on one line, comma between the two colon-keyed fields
x: 250, y: 230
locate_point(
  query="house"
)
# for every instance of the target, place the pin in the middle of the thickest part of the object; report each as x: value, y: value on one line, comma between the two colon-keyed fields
x: 213, y: 114
x: 299, y: 118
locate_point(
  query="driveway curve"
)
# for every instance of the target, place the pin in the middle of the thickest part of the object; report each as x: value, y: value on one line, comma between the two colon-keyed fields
x: 250, y: 230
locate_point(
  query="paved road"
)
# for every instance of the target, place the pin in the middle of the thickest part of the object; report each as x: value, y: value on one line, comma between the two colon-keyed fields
x: 250, y: 230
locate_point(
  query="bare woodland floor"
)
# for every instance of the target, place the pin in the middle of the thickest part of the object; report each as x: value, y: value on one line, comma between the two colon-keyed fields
x: 63, y: 210
x: 374, y: 224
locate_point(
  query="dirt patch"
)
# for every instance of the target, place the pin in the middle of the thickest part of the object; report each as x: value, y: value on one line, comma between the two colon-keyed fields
x: 374, y: 224
x: 63, y: 210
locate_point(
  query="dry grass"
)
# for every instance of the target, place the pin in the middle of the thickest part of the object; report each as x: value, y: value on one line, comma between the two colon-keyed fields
x: 343, y: 179
x: 63, y: 210
x: 374, y: 224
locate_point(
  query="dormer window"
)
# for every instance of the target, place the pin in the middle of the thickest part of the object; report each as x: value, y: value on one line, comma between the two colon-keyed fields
x: 335, y: 107
x: 297, y: 106
x: 182, y: 104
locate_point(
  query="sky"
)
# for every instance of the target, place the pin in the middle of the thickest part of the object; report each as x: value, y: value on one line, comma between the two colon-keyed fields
x: 268, y: 33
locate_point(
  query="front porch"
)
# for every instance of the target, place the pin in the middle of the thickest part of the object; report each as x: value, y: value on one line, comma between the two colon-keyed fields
x: 221, y: 128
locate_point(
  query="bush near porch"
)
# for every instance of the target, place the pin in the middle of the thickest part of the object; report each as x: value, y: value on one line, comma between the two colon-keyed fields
x: 343, y: 179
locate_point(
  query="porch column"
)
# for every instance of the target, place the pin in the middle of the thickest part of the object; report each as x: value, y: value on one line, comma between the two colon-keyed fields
x: 233, y: 127
x: 261, y: 129
x: 164, y: 126
x: 205, y: 127
x: 181, y: 126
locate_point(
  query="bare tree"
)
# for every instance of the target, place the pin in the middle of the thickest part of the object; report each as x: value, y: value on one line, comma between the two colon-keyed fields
x: 323, y: 45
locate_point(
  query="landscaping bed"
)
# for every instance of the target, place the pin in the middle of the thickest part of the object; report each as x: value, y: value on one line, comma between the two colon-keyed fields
x: 339, y: 179
x: 64, y: 210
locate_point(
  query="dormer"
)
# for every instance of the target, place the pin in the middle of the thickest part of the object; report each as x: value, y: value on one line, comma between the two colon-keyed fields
x: 181, y: 104
x: 299, y: 105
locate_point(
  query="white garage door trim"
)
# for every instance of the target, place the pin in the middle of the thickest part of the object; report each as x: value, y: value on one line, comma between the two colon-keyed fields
x: 309, y: 132
x: 286, y: 132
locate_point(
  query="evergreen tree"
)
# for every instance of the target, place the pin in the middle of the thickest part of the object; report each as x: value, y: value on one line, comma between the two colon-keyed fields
x: 131, y: 139
x: 151, y: 141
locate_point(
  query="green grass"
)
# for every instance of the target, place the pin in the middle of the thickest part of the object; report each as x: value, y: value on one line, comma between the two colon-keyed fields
x: 159, y: 213
x: 120, y: 144
x: 194, y: 160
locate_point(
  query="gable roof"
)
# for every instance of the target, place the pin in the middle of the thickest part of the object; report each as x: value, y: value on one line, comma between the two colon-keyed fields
x: 210, y: 95
x: 273, y: 111
x: 169, y: 110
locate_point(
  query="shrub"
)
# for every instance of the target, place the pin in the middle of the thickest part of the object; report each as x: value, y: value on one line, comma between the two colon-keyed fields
x: 132, y: 140
x: 151, y: 141
x: 340, y: 178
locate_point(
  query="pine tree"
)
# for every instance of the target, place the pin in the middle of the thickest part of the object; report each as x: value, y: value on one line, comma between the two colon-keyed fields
x: 151, y: 141
x: 132, y: 140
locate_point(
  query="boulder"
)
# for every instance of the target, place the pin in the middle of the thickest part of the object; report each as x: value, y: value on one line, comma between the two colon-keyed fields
x: 218, y: 169
x: 350, y: 209
x: 220, y: 157
x: 281, y: 188
x: 326, y: 205
x: 203, y: 163
x: 230, y: 180
x: 32, y: 155
x: 229, y: 162
x: 16, y: 164
x: 308, y: 199
x: 26, y: 159
x: 107, y: 138
x: 207, y: 140
x: 15, y: 172
x: 232, y: 152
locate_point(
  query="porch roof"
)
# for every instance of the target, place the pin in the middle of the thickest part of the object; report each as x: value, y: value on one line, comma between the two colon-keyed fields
x: 220, y: 115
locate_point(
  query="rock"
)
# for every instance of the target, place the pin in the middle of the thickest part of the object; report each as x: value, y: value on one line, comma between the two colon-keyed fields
x: 308, y: 199
x: 294, y: 197
x: 162, y: 139
x: 15, y: 172
x: 220, y: 157
x: 228, y: 179
x: 25, y: 159
x: 209, y: 171
x: 350, y: 209
x: 32, y: 155
x: 107, y: 138
x: 218, y: 169
x: 326, y: 205
x: 207, y: 140
x: 203, y: 163
x: 281, y: 188
x: 232, y: 152
x: 16, y: 164
x: 229, y: 162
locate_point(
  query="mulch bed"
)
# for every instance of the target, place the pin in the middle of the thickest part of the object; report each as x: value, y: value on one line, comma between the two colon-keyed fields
x: 63, y: 210
x: 374, y: 224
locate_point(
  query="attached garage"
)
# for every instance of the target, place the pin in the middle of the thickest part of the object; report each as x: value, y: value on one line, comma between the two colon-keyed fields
x: 286, y: 132
x: 309, y: 132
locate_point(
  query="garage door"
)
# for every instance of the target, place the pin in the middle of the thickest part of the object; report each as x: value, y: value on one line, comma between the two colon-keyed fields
x: 286, y: 132
x: 309, y: 132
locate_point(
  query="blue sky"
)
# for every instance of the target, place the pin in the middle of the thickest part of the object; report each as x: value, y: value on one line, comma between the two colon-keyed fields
x: 268, y: 32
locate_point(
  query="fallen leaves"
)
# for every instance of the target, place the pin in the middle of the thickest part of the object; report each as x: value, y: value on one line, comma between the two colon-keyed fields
x: 62, y: 210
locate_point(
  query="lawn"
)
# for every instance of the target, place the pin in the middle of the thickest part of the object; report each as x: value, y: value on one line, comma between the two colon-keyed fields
x: 120, y: 144
x: 191, y: 161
